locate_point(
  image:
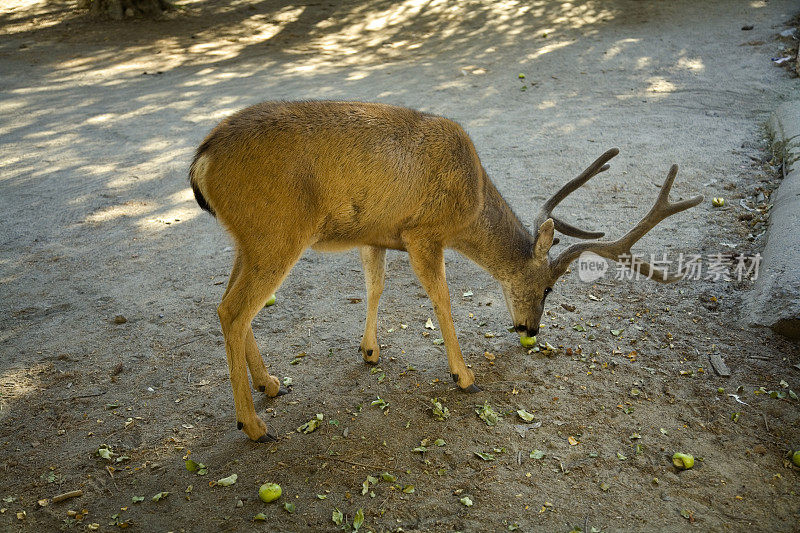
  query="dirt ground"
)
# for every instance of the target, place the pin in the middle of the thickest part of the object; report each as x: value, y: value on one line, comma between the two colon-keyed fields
x: 98, y: 123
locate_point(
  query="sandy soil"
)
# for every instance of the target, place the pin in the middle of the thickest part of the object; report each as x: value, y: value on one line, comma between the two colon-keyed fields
x: 98, y: 123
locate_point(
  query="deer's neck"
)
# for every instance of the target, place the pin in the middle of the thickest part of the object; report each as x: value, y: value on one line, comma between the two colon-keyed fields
x: 497, y: 240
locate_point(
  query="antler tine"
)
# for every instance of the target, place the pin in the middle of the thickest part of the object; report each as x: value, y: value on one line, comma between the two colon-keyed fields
x: 599, y: 165
x: 620, y: 250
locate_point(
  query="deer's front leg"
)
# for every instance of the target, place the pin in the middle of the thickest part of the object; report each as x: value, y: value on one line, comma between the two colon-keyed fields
x: 374, y: 261
x: 427, y: 260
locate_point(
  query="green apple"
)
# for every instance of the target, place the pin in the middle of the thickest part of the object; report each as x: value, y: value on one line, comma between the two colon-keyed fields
x: 683, y: 461
x: 527, y: 342
x: 269, y: 492
x: 271, y: 301
x: 796, y: 458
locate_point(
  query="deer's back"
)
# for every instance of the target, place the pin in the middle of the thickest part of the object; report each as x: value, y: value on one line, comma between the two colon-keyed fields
x: 347, y: 173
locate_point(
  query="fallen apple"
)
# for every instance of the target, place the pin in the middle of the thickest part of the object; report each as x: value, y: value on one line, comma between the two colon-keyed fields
x: 527, y: 342
x: 683, y: 461
x: 269, y: 492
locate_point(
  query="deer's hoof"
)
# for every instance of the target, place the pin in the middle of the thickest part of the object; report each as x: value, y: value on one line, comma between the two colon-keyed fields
x: 282, y: 391
x: 274, y: 385
x: 255, y: 429
x: 267, y: 437
x: 472, y: 389
x: 371, y: 356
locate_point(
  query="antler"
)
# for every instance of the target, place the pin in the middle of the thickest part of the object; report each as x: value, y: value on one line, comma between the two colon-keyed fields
x: 546, y: 211
x: 620, y: 250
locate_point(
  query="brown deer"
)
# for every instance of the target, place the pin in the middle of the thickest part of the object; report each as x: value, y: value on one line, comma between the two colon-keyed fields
x: 285, y: 176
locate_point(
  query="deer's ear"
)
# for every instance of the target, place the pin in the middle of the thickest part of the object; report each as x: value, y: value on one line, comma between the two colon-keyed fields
x: 544, y: 239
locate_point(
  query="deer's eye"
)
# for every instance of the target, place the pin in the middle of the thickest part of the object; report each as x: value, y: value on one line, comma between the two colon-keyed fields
x: 548, y: 290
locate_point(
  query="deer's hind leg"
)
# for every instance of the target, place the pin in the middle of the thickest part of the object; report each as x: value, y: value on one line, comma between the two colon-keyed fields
x: 258, y: 274
x: 374, y: 261
x: 262, y: 380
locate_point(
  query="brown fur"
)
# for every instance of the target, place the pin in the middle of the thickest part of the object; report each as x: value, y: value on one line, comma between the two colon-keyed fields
x: 285, y: 176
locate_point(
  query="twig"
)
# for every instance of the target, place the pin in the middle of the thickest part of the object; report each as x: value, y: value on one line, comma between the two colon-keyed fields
x: 766, y: 425
x: 92, y: 395
x: 67, y: 496
x: 362, y: 465
x: 110, y: 470
x: 196, y: 338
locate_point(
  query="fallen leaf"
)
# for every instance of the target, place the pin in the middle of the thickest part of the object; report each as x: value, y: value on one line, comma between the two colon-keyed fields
x: 105, y: 452
x: 525, y: 415
x: 358, y: 519
x: 487, y: 414
x: 439, y: 411
x: 380, y: 403
x: 228, y: 481
x: 199, y: 468
x: 312, y: 424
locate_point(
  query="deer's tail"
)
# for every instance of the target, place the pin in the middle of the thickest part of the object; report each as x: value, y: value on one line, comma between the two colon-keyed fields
x: 197, y: 175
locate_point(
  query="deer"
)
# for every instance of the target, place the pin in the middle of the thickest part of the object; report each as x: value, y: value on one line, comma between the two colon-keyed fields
x: 282, y: 177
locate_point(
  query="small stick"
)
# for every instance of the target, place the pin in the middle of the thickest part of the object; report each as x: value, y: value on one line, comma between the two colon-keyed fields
x: 67, y: 496
x: 362, y: 465
x: 196, y: 338
x: 92, y: 395
x: 765, y: 420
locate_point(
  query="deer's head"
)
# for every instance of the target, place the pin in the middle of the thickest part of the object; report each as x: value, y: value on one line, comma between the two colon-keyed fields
x: 527, y: 290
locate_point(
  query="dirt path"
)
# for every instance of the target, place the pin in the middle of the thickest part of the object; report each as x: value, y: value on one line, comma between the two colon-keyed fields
x: 98, y: 122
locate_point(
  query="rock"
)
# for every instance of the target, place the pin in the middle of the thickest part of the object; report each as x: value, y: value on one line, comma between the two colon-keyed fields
x: 775, y: 300
x: 120, y: 319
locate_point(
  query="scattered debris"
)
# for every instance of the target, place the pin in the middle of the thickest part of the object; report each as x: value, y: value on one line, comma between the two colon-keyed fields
x: 312, y: 424
x: 719, y: 365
